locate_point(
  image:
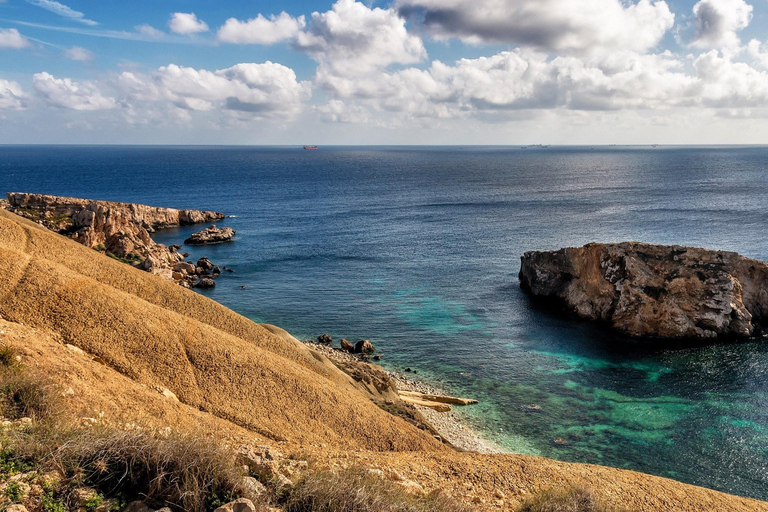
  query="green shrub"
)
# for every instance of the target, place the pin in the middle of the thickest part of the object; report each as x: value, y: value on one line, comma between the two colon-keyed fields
x: 356, y: 490
x: 567, y: 499
x: 13, y: 491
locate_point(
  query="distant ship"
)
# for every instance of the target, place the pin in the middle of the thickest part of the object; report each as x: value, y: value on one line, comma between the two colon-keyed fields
x: 310, y: 147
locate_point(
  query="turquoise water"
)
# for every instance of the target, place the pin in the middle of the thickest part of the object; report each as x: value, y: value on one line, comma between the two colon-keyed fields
x: 418, y: 249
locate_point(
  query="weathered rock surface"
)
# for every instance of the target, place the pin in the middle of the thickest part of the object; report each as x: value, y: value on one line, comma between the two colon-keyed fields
x: 120, y: 230
x: 364, y: 347
x: 211, y: 235
x: 659, y: 291
x: 347, y: 345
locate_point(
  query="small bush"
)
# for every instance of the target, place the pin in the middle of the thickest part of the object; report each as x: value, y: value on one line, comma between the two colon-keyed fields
x: 569, y: 499
x: 7, y: 356
x: 25, y: 394
x: 13, y: 491
x: 356, y: 490
x: 186, y: 471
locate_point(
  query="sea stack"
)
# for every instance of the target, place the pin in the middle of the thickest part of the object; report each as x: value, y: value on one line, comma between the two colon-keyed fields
x: 654, y: 291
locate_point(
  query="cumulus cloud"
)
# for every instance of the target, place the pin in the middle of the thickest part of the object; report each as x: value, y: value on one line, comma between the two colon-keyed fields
x: 62, y: 10
x: 353, y: 38
x: 186, y: 23
x: 718, y: 21
x: 11, y: 38
x: 12, y: 96
x: 260, y: 90
x: 572, y: 26
x: 261, y: 30
x: 79, y: 54
x: 68, y: 94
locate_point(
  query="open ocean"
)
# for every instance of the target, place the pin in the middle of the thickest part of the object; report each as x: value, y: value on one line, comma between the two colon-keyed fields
x: 418, y: 250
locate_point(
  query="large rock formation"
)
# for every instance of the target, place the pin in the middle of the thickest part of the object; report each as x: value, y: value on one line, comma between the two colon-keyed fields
x: 648, y: 290
x: 121, y: 230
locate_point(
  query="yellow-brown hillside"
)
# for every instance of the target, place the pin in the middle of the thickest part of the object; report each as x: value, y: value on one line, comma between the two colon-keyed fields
x: 243, y: 383
x: 157, y: 333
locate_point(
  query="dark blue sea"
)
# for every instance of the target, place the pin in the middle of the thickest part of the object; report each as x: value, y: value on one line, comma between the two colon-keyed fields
x: 418, y: 250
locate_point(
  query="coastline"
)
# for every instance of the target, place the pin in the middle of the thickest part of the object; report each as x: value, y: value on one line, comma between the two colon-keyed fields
x: 450, y: 425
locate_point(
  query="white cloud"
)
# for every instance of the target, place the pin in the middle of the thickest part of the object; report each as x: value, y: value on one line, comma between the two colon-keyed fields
x: 62, y: 10
x: 78, y: 53
x: 724, y: 83
x: 255, y: 90
x: 65, y: 93
x: 512, y: 84
x: 565, y: 26
x: 352, y: 38
x: 11, y: 38
x: 149, y: 31
x: 261, y: 30
x: 186, y: 23
x: 12, y: 96
x: 718, y: 21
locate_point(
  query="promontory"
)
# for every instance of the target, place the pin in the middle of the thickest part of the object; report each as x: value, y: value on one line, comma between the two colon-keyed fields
x: 654, y: 291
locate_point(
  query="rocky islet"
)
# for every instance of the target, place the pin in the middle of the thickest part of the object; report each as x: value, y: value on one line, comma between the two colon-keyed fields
x: 654, y: 291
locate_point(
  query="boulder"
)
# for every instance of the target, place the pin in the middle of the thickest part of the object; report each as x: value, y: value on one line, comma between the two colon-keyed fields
x: 325, y: 339
x: 239, y: 505
x: 211, y: 235
x: 347, y: 345
x: 205, y: 283
x: 653, y: 291
x: 364, y: 347
x: 205, y: 264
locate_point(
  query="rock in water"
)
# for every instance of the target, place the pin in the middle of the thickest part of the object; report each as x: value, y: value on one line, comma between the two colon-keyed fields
x: 211, y: 235
x: 347, y: 345
x: 364, y: 347
x: 660, y: 291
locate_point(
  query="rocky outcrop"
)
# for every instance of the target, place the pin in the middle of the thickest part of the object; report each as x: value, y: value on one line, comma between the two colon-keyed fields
x: 658, y: 291
x: 211, y: 235
x: 120, y: 230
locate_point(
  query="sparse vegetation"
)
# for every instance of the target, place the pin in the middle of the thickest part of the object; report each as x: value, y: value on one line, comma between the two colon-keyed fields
x: 131, y: 258
x: 189, y: 473
x: 23, y: 394
x: 567, y: 499
x: 357, y: 490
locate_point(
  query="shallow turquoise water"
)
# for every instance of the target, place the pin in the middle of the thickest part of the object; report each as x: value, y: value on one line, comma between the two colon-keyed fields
x: 418, y: 250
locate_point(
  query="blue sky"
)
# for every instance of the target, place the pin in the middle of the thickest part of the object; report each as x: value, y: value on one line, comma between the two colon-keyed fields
x: 398, y: 72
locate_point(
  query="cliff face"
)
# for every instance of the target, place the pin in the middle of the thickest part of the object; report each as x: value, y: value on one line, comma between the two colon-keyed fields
x: 648, y: 290
x: 120, y: 229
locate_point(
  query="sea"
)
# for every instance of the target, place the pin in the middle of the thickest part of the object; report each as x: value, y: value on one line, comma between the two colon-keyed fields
x: 418, y: 249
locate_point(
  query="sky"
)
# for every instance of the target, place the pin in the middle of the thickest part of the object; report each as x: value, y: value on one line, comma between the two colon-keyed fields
x: 384, y: 72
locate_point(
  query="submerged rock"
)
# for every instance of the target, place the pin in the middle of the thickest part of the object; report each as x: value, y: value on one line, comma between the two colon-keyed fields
x: 211, y: 235
x: 660, y: 291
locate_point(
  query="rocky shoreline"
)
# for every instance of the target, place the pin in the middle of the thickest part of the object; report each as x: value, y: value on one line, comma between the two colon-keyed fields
x: 449, y: 424
x: 122, y: 231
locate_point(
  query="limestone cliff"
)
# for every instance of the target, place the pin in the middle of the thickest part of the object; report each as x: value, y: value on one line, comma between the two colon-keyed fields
x: 118, y: 229
x: 659, y: 291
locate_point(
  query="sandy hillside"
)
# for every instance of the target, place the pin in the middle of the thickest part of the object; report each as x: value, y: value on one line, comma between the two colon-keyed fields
x: 128, y: 348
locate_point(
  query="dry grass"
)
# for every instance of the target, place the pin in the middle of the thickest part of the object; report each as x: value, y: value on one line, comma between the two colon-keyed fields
x: 185, y: 472
x: 23, y: 393
x: 356, y: 490
x: 568, y: 499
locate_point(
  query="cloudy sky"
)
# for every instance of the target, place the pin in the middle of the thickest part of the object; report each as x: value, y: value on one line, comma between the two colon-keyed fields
x: 384, y: 72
